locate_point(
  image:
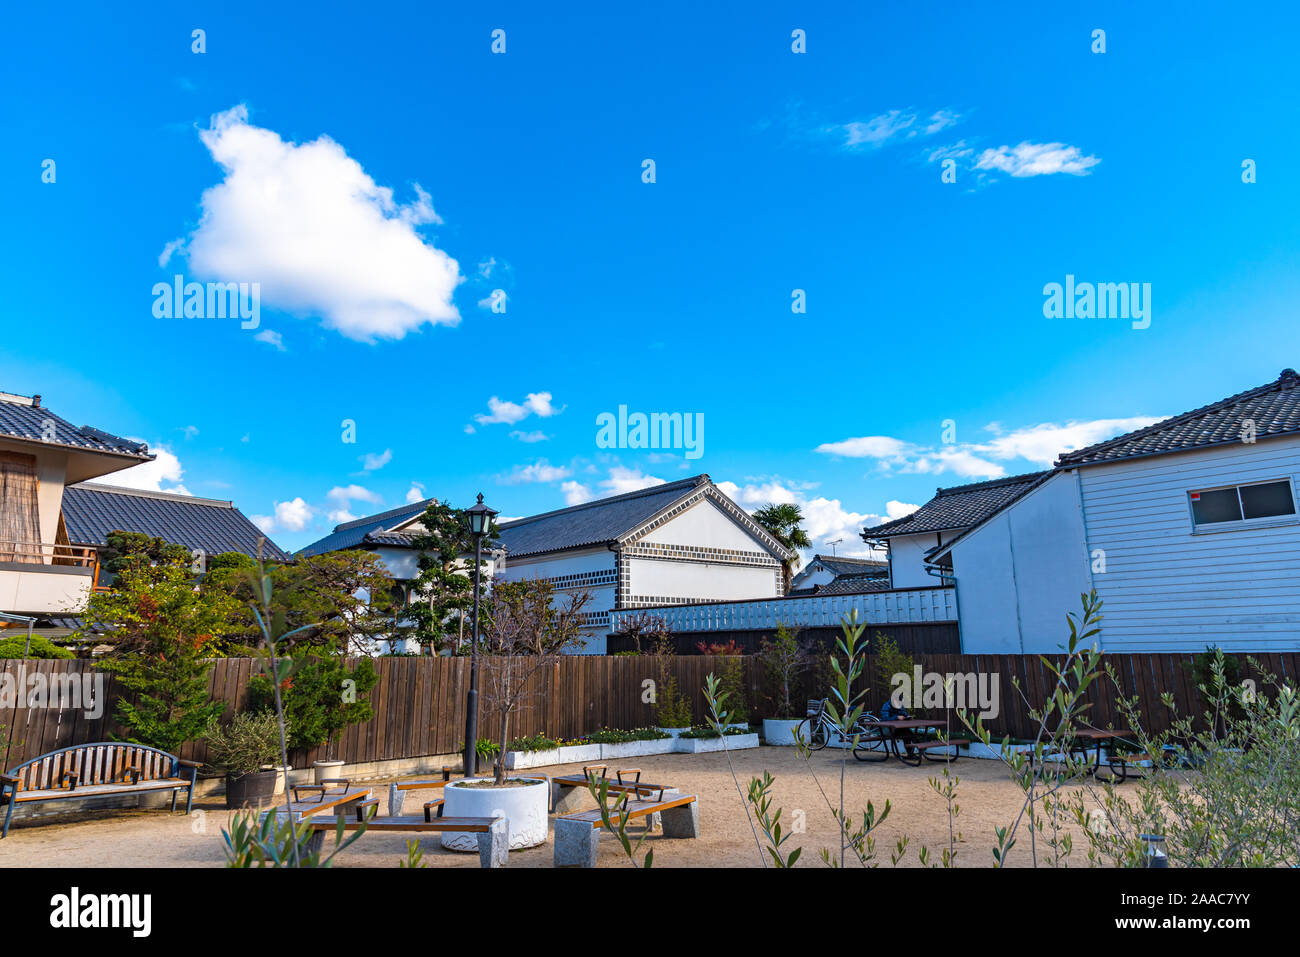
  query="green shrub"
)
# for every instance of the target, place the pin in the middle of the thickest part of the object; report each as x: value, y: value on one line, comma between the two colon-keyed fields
x: 247, y: 744
x: 535, y: 742
x: 673, y: 710
x: 41, y: 647
x: 318, y: 700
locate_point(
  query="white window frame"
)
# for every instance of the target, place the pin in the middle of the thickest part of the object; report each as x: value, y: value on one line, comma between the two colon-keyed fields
x: 1265, y: 521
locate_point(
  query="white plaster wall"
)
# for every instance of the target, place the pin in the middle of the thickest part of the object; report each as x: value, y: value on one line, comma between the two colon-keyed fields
x: 706, y: 581
x: 705, y: 525
x: 1021, y: 573
x: 906, y: 559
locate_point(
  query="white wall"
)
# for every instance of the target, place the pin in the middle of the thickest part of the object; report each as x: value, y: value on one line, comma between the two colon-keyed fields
x: 593, y: 560
x: 1168, y: 588
x: 655, y: 580
x: 1022, y: 572
x: 906, y: 558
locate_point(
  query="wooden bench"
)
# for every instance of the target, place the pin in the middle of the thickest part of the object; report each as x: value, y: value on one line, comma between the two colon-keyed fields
x: 915, y: 751
x: 567, y: 790
x: 577, y: 835
x: 100, y: 769
x: 493, y: 832
x: 334, y: 794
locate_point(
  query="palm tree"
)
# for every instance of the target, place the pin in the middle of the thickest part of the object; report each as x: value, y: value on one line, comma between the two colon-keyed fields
x: 782, y: 523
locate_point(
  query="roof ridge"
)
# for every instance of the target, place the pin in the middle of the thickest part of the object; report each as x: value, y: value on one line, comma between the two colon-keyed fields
x: 93, y: 486
x: 390, y: 513
x: 693, y: 481
x: 991, y: 483
x: 1287, y: 380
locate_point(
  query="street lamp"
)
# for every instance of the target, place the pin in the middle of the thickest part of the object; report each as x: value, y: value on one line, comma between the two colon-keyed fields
x: 478, y: 519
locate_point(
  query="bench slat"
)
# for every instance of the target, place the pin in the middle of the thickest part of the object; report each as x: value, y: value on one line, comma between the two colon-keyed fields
x: 405, y: 823
x: 635, y: 809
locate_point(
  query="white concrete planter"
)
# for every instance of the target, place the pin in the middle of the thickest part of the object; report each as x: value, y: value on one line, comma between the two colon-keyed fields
x: 525, y: 808
x: 279, y: 778
x: 780, y: 732
x: 734, y: 742
x: 575, y: 753
x: 327, y: 769
x: 522, y: 760
x: 674, y: 732
x: 636, y: 749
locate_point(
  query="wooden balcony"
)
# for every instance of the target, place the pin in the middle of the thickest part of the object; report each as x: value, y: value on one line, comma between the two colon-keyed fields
x: 42, y: 579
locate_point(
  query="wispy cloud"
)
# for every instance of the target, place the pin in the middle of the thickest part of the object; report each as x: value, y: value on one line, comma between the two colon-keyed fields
x: 373, y: 461
x: 341, y: 497
x: 271, y: 338
x: 536, y: 403
x: 1037, y: 159
x: 539, y: 471
x: 530, y: 437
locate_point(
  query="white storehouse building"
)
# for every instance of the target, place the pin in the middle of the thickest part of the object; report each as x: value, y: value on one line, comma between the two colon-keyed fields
x: 680, y: 543
x: 1188, y: 530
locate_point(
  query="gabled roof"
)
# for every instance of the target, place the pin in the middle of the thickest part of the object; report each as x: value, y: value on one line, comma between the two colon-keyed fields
x: 90, y: 512
x: 957, y: 507
x: 842, y: 565
x: 1274, y: 408
x: 28, y: 421
x: 371, y: 530
x: 605, y: 521
x: 854, y: 585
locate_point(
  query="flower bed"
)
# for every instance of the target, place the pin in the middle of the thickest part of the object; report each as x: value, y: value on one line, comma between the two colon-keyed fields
x: 539, y: 751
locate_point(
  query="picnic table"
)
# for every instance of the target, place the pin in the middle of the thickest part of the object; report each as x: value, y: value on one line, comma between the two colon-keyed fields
x: 311, y: 799
x: 1090, y: 737
x: 894, y: 736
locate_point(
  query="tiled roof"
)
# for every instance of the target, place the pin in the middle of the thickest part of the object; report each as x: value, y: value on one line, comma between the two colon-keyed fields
x: 33, y: 423
x: 92, y: 511
x: 840, y: 565
x: 1274, y: 408
x: 592, y: 523
x: 957, y: 507
x: 854, y: 585
x: 370, y: 530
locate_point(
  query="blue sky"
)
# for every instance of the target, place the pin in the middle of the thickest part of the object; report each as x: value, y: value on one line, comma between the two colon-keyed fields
x: 379, y: 176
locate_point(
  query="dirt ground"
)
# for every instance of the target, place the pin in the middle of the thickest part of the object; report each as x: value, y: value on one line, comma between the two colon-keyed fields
x: 986, y: 797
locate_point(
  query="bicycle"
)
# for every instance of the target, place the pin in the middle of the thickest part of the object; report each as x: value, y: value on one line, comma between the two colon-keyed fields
x: 817, y: 729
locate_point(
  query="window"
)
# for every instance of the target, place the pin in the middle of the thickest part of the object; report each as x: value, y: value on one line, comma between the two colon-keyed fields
x: 1242, y: 503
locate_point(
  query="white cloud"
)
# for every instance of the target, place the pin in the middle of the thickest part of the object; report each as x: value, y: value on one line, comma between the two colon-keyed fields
x: 319, y: 234
x: 535, y: 436
x: 628, y: 480
x: 878, y: 130
x: 536, y: 403
x: 190, y: 431
x: 958, y: 150
x: 291, y: 516
x: 575, y: 493
x: 341, y: 498
x: 825, y: 519
x: 540, y: 471
x: 163, y: 474
x: 372, y: 461
x: 1039, y: 445
x: 415, y: 493
x: 941, y: 120
x: 895, y: 509
x: 1037, y: 159
x: 271, y: 338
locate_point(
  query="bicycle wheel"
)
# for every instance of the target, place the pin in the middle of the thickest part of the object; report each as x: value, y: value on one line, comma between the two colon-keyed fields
x: 812, y: 732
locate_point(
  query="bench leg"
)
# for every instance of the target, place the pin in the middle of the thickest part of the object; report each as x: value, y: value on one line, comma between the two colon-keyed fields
x: 566, y: 800
x: 494, y: 845
x: 316, y: 843
x: 682, y: 821
x: 396, y: 800
x: 575, y: 843
x: 189, y: 795
x: 175, y: 794
x: 9, y: 812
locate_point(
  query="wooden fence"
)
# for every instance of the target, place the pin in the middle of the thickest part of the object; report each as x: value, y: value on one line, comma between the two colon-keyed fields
x: 419, y: 703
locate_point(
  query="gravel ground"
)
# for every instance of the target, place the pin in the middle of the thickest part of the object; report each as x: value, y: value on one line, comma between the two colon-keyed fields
x: 986, y: 797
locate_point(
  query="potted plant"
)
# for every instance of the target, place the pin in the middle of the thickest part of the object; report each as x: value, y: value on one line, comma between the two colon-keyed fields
x: 525, y: 635
x: 783, y: 658
x: 245, y: 749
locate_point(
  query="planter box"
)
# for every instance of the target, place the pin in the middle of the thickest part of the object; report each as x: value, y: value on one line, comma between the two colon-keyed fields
x: 636, y: 749
x: 522, y: 760
x: 734, y: 742
x: 780, y: 732
x: 580, y: 752
x: 674, y: 732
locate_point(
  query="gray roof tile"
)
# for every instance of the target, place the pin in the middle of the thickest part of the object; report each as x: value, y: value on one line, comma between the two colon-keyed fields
x: 368, y: 531
x: 38, y: 424
x: 956, y: 507
x: 92, y: 511
x: 1273, y: 407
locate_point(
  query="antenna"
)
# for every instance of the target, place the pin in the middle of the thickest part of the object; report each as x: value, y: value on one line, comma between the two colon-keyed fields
x: 833, y: 544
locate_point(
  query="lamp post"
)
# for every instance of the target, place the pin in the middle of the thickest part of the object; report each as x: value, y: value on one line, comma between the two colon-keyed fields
x: 478, y: 518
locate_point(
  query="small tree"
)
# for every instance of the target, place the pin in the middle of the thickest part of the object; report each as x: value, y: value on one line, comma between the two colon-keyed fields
x: 528, y: 633
x: 321, y: 697
x: 784, y: 659
x: 164, y: 628
x: 784, y: 523
x: 443, y: 592
x: 649, y: 633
